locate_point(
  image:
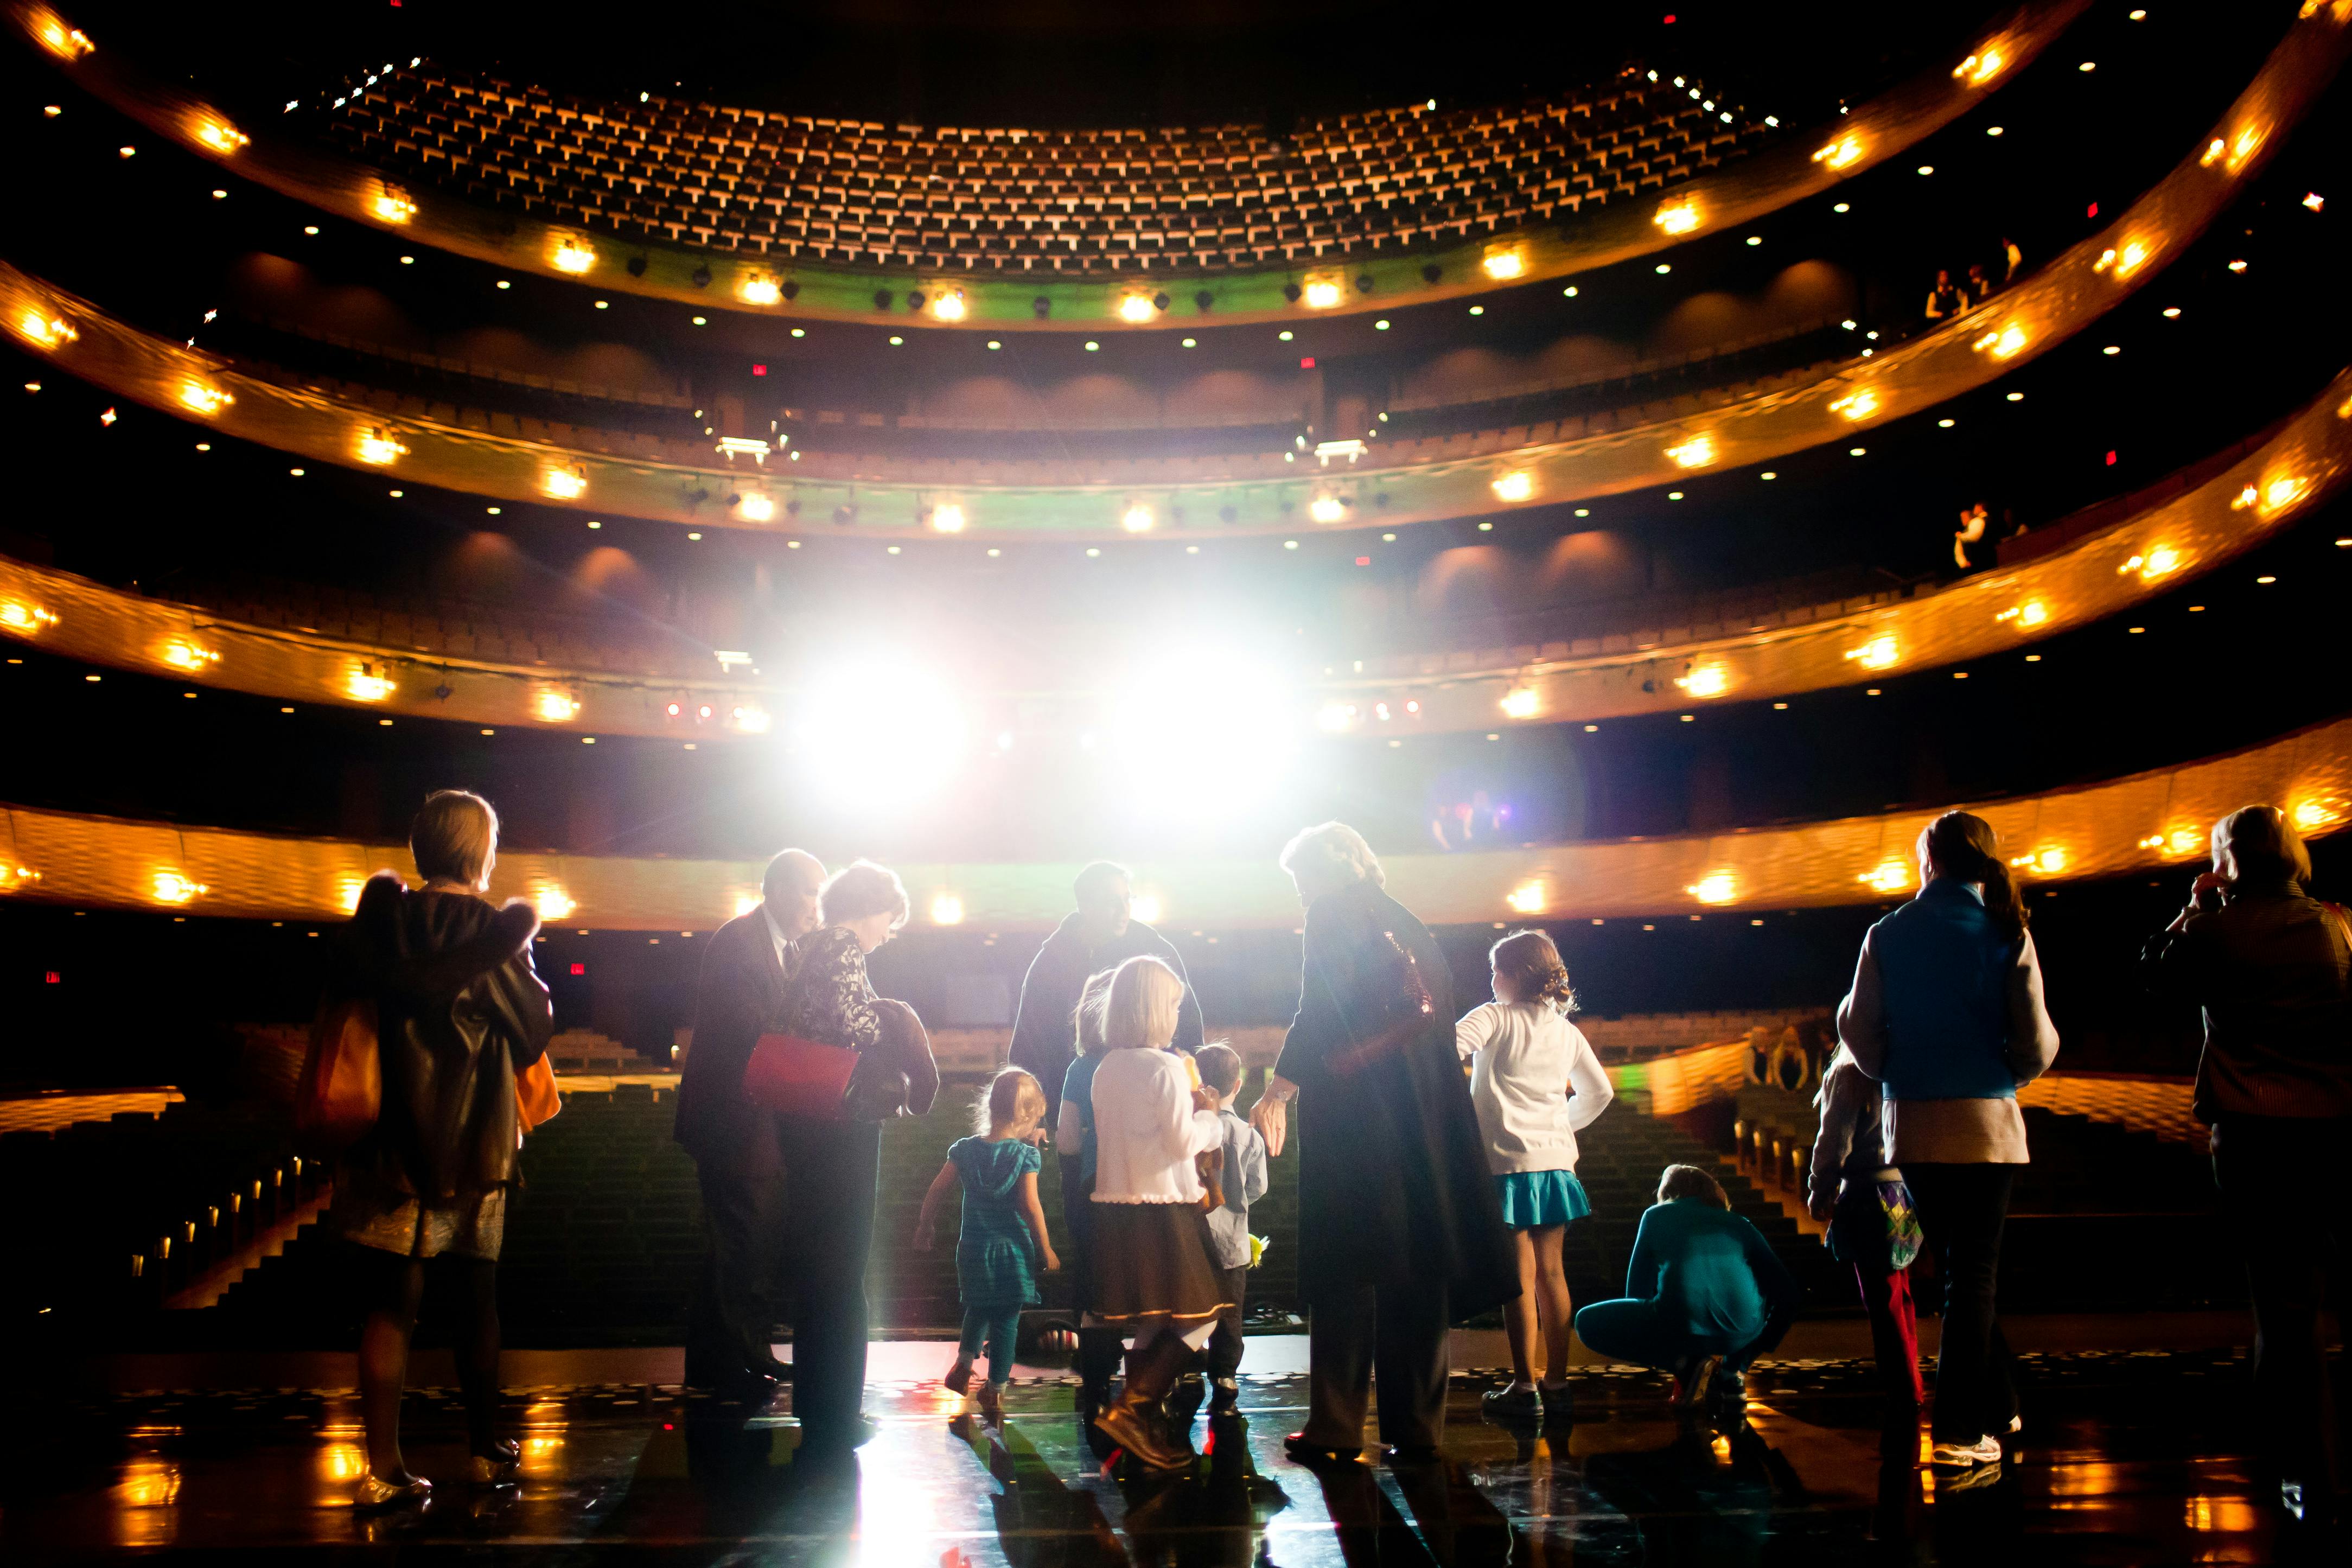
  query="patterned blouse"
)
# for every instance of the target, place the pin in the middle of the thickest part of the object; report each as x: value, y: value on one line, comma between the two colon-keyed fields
x: 829, y: 999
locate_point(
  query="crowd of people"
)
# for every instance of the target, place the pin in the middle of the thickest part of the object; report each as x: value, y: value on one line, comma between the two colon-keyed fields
x: 1436, y: 1147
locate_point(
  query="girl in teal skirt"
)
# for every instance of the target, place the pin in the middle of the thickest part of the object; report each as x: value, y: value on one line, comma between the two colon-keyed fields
x: 1004, y: 1244
x: 1535, y: 1081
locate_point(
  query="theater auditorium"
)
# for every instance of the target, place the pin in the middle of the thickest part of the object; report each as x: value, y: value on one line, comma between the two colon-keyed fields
x: 896, y: 784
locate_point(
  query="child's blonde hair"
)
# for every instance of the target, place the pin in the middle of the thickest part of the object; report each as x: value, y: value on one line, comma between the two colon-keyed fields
x: 1532, y: 962
x: 1013, y: 1099
x: 1140, y: 1014
x: 1089, y: 1015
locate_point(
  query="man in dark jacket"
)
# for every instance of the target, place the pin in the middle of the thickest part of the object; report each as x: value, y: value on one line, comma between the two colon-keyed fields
x: 1101, y: 934
x: 732, y: 1140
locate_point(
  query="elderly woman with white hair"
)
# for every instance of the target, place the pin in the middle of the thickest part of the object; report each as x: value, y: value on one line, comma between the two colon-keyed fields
x: 1400, y: 1230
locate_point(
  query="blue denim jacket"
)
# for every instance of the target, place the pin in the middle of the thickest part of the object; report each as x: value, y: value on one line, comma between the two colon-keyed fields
x: 1943, y: 969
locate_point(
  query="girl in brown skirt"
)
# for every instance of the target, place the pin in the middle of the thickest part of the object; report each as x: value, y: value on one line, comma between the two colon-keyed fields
x: 1153, y: 1275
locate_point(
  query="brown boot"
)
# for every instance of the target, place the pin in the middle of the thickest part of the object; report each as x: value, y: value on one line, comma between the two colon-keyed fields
x: 1132, y: 1421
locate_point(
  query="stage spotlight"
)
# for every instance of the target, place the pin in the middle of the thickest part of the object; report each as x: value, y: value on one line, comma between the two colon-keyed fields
x: 1505, y: 265
x: 947, y: 518
x: 758, y: 509
x: 1322, y: 294
x: 564, y: 484
x: 1328, y: 509
x: 878, y: 735
x: 1200, y: 733
x: 1516, y: 485
x: 1137, y: 519
x: 949, y: 305
x: 947, y: 909
x: 571, y: 255
x: 1135, y: 308
x: 761, y: 291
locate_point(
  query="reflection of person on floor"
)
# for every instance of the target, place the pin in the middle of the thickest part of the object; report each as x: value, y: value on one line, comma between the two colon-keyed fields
x: 1705, y: 1295
x: 1873, y: 1227
x: 1002, y: 1244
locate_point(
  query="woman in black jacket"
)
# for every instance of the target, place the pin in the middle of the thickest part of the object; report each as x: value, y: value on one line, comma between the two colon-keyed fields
x: 1400, y: 1230
x: 459, y: 1012
x: 2271, y: 968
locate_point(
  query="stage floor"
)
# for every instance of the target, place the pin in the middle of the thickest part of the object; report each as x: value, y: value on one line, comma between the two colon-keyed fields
x: 2126, y: 1457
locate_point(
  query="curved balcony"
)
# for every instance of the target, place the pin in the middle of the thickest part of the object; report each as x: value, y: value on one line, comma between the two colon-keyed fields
x: 457, y: 665
x: 979, y: 229
x: 1223, y: 497
x: 2127, y: 824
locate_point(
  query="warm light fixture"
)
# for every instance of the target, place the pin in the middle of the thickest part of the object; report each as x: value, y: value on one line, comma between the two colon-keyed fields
x: 393, y: 206
x: 2313, y: 814
x: 758, y: 509
x: 24, y: 619
x: 947, y: 518
x: 1527, y: 898
x: 572, y: 256
x: 2003, y: 342
x: 45, y: 331
x: 1978, y: 69
x: 555, y: 707
x: 378, y: 448
x: 172, y: 887
x: 1677, y: 216
x: 1505, y: 265
x: 203, y: 399
x: 1696, y: 453
x: 760, y: 290
x: 1515, y: 486
x: 947, y: 909
x: 552, y: 901
x: 1335, y: 716
x: 1136, y: 308
x: 1878, y: 653
x: 1715, y: 887
x: 1840, y: 153
x: 947, y: 305
x: 750, y: 719
x: 1322, y: 294
x: 2031, y: 614
x: 367, y: 684
x: 1858, y: 405
x: 1144, y: 907
x: 2281, y: 493
x: 564, y: 484
x: 1706, y: 681
x: 1888, y: 876
x: 2242, y: 147
x: 182, y: 655
x: 1137, y: 519
x: 1326, y: 509
x: 1521, y: 702
x: 2049, y: 862
x: 2160, y: 562
x: 66, y: 43
x: 221, y: 136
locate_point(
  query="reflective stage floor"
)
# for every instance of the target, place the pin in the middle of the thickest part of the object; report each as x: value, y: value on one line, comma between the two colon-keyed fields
x: 2125, y: 1457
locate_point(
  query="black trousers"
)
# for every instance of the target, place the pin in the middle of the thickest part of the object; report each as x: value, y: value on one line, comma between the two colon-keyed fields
x: 831, y: 1171
x: 1358, y: 1332
x: 742, y: 1208
x: 1224, y: 1352
x: 2275, y: 1173
x: 1963, y: 1210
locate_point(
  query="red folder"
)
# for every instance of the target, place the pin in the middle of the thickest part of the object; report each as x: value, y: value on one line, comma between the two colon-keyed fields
x: 800, y: 1077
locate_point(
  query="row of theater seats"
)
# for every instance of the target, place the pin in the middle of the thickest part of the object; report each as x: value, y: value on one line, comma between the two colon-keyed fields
x: 603, y: 1241
x: 1233, y: 196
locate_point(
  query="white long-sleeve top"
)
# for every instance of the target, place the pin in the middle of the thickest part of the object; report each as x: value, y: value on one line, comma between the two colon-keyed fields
x: 1534, y: 1079
x: 1145, y: 1131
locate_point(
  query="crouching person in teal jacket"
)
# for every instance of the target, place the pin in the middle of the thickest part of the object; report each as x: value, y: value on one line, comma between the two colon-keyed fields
x: 1705, y: 1296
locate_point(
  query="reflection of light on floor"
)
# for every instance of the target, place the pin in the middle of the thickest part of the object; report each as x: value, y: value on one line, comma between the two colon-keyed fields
x: 896, y: 1527
x: 2229, y: 1515
x: 2084, y: 1486
x: 542, y: 1435
x: 341, y: 1463
x: 144, y: 1503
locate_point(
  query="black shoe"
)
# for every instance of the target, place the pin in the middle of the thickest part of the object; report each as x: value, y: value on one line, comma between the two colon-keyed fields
x: 1184, y: 1400
x: 1313, y: 1455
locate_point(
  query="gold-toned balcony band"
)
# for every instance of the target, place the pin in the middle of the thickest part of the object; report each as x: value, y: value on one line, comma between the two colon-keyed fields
x: 953, y: 294
x: 2130, y: 823
x: 1220, y: 498
x: 2147, y: 552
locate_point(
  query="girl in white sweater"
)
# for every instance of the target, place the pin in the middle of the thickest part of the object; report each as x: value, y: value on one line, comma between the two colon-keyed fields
x: 1152, y: 1274
x: 1535, y: 1081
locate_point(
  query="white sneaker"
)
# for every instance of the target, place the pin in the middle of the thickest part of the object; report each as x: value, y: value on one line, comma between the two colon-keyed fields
x: 1983, y: 1451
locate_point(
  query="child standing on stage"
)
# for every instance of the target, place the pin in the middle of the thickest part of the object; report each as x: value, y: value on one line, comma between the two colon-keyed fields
x: 1004, y: 1241
x: 1153, y: 1275
x: 1873, y: 1226
x: 1244, y: 1182
x: 1535, y: 1082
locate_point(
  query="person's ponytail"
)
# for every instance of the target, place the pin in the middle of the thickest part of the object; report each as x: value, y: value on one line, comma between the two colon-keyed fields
x: 1531, y: 961
x: 1963, y: 847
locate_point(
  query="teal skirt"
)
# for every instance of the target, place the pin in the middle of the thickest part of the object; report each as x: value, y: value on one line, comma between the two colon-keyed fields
x: 1531, y: 1198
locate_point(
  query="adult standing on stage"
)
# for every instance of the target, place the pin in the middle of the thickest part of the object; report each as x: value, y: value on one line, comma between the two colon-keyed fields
x: 1101, y: 934
x: 832, y: 1167
x: 1400, y: 1230
x: 732, y: 1140
x: 1947, y: 1013
x: 2272, y: 967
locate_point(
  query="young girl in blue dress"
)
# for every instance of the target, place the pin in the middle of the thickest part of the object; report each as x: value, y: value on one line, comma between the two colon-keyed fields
x: 1535, y: 1082
x: 1004, y: 1244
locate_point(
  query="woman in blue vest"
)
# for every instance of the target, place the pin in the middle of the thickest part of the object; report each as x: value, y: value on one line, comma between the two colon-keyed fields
x: 1947, y: 1014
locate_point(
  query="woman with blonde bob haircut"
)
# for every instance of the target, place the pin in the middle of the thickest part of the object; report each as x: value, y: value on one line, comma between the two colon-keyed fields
x: 2271, y: 966
x: 1152, y: 1273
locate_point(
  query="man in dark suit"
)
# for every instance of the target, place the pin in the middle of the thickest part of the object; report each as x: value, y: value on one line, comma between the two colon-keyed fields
x: 732, y: 1140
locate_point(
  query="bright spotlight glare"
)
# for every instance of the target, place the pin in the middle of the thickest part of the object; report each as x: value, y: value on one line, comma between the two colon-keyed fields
x: 1202, y: 734
x: 879, y: 736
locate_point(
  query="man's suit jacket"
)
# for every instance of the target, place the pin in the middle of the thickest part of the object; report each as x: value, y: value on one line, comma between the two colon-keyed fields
x: 741, y: 987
